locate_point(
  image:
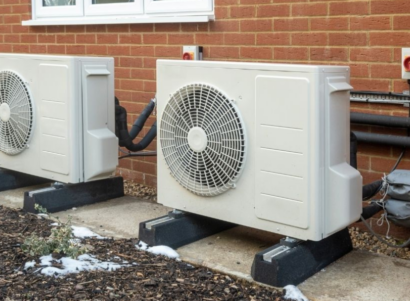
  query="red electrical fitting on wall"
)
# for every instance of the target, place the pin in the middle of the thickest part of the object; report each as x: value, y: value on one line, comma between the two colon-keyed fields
x: 405, y: 63
x: 192, y: 53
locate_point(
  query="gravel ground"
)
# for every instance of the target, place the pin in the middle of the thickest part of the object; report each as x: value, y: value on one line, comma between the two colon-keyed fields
x: 368, y: 242
x: 140, y: 191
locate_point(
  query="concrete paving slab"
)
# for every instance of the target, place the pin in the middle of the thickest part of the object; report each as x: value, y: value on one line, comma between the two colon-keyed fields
x: 358, y: 276
x: 118, y: 218
x: 361, y: 276
x: 233, y: 249
x: 14, y: 198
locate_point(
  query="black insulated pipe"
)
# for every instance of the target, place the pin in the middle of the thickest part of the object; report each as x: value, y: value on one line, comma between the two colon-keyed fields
x: 128, y: 144
x: 121, y: 129
x: 353, y: 150
x: 380, y: 120
x: 392, y: 140
x: 140, y: 121
x: 370, y: 210
x: 371, y: 189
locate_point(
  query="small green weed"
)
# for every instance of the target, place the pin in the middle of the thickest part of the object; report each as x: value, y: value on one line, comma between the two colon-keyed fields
x: 60, y: 241
x: 40, y: 209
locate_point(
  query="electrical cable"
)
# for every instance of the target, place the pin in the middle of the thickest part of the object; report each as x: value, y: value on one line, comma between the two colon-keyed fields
x: 139, y: 154
x: 398, y: 160
x: 403, y: 245
x: 135, y: 154
x: 381, y: 184
x: 407, y: 242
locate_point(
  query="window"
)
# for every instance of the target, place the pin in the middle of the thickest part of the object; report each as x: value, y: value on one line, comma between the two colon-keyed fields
x: 67, y: 12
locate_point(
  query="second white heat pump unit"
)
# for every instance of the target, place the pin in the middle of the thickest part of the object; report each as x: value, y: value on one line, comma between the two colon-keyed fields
x: 260, y: 145
x: 57, y: 118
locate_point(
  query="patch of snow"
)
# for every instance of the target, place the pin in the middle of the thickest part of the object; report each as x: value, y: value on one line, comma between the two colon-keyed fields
x: 292, y: 292
x: 83, y: 232
x: 46, y: 260
x: 29, y: 265
x: 69, y: 265
x: 158, y: 250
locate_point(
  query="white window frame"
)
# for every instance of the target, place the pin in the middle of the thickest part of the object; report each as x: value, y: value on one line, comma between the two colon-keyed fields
x: 58, y: 11
x: 172, y: 6
x: 140, y: 11
x: 126, y: 8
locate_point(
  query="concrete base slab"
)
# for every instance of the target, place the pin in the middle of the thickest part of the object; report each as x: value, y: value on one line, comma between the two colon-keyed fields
x: 232, y: 250
x: 358, y: 276
x: 118, y: 218
x: 15, y: 198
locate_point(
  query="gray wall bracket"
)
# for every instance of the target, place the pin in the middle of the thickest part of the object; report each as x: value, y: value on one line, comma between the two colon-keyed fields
x: 179, y: 228
x: 13, y: 180
x: 285, y: 263
x: 62, y: 197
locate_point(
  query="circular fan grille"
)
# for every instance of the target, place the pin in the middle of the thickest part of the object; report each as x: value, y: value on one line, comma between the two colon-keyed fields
x: 16, y: 113
x: 202, y: 137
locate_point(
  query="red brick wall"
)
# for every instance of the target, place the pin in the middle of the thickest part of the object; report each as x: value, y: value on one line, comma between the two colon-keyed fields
x: 366, y: 35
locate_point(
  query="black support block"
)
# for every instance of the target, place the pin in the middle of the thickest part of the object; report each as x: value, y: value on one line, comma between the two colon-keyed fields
x: 13, y: 180
x: 176, y: 230
x: 300, y: 262
x: 56, y: 199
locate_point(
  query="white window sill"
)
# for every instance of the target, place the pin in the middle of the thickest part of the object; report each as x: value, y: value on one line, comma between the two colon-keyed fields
x: 119, y: 20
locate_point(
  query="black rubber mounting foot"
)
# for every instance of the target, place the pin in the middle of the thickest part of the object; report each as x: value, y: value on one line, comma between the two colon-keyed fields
x: 13, y: 180
x: 63, y: 197
x: 179, y: 228
x: 299, y: 262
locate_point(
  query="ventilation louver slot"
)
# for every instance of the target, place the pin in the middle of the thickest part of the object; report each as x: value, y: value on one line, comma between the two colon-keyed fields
x: 202, y: 137
x: 16, y: 113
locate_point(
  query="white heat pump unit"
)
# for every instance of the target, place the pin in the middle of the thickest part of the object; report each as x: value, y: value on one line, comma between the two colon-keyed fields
x: 260, y: 145
x: 57, y: 117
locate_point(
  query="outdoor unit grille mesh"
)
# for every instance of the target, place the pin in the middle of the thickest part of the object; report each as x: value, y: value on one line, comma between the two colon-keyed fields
x: 214, y: 168
x: 16, y: 130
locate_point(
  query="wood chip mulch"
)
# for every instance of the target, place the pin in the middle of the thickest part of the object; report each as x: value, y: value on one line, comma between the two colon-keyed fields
x: 154, y: 278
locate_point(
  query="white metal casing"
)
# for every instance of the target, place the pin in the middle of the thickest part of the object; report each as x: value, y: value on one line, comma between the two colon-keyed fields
x: 297, y: 180
x: 73, y: 137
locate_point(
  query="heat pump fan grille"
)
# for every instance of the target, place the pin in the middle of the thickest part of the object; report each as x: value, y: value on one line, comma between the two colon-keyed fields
x: 16, y: 113
x: 202, y: 138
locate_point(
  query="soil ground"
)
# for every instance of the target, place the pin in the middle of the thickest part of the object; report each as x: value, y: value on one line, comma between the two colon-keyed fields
x: 154, y: 278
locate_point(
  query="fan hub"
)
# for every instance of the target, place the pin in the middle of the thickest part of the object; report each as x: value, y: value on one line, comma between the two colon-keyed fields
x: 197, y: 139
x: 5, y: 112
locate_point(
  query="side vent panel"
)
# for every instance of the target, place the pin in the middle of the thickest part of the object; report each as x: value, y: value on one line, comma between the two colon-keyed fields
x: 281, y: 163
x: 53, y: 110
